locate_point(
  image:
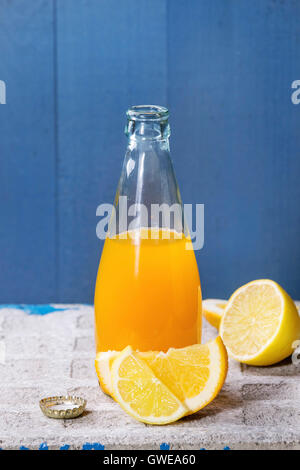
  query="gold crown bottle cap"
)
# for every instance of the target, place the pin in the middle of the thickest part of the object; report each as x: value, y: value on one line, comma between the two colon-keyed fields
x: 63, y: 407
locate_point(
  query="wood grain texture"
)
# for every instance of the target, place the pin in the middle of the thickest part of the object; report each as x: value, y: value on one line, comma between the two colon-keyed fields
x: 236, y: 136
x: 27, y: 153
x: 72, y: 68
x: 110, y: 55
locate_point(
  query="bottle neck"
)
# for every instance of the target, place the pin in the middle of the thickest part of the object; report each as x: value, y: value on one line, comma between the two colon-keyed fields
x: 152, y: 131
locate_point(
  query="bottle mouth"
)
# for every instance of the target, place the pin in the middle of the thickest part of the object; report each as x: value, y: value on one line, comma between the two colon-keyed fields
x: 147, y: 112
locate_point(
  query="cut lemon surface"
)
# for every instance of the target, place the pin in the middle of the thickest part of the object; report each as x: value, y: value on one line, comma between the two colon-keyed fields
x: 103, y: 364
x: 140, y: 393
x: 213, y: 310
x: 260, y: 323
x: 195, y: 374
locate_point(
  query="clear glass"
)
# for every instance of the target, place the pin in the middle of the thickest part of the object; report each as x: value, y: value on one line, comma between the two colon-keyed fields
x: 148, y: 289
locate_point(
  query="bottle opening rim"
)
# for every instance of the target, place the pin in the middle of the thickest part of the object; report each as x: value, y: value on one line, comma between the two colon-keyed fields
x: 147, y: 112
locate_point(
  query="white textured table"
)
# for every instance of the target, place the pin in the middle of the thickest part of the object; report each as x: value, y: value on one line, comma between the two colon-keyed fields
x: 52, y: 354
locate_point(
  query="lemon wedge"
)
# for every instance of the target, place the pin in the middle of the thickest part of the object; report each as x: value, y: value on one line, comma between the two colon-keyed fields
x: 140, y: 393
x: 195, y: 374
x: 103, y: 363
x: 213, y: 310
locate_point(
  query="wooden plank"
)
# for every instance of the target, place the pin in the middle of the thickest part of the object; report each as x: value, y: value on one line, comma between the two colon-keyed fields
x: 27, y: 156
x: 236, y: 135
x: 110, y: 55
x: 225, y: 69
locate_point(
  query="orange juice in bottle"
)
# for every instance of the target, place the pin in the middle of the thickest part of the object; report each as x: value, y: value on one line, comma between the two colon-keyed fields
x: 148, y: 289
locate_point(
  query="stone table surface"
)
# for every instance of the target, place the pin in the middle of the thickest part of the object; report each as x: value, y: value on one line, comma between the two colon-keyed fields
x: 49, y: 350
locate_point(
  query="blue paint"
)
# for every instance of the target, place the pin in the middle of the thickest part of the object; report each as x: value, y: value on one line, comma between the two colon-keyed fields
x: 24, y: 448
x: 164, y: 446
x: 202, y: 448
x: 43, y: 446
x: 91, y: 148
x: 235, y: 146
x: 235, y: 134
x: 35, y: 309
x: 65, y: 447
x: 27, y: 183
x: 226, y: 448
x: 93, y: 446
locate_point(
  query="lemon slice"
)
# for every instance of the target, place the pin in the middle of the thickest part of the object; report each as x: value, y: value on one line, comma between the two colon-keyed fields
x: 140, y: 393
x: 260, y: 323
x: 103, y: 364
x: 195, y: 374
x: 213, y: 310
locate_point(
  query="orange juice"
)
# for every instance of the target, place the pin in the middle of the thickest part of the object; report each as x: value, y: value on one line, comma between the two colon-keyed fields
x: 147, y: 292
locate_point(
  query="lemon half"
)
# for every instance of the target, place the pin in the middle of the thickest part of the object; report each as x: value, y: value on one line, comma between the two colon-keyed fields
x: 260, y: 323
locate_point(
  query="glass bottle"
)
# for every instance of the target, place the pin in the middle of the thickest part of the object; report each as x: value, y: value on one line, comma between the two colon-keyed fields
x: 148, y: 289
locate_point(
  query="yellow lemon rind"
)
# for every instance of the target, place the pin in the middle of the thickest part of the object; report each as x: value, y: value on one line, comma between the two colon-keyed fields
x: 217, y: 377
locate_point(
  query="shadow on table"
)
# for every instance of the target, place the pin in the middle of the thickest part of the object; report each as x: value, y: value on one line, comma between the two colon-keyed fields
x: 227, y: 406
x: 281, y: 369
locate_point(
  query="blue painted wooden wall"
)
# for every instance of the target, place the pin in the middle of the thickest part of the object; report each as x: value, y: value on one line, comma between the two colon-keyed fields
x: 72, y: 68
